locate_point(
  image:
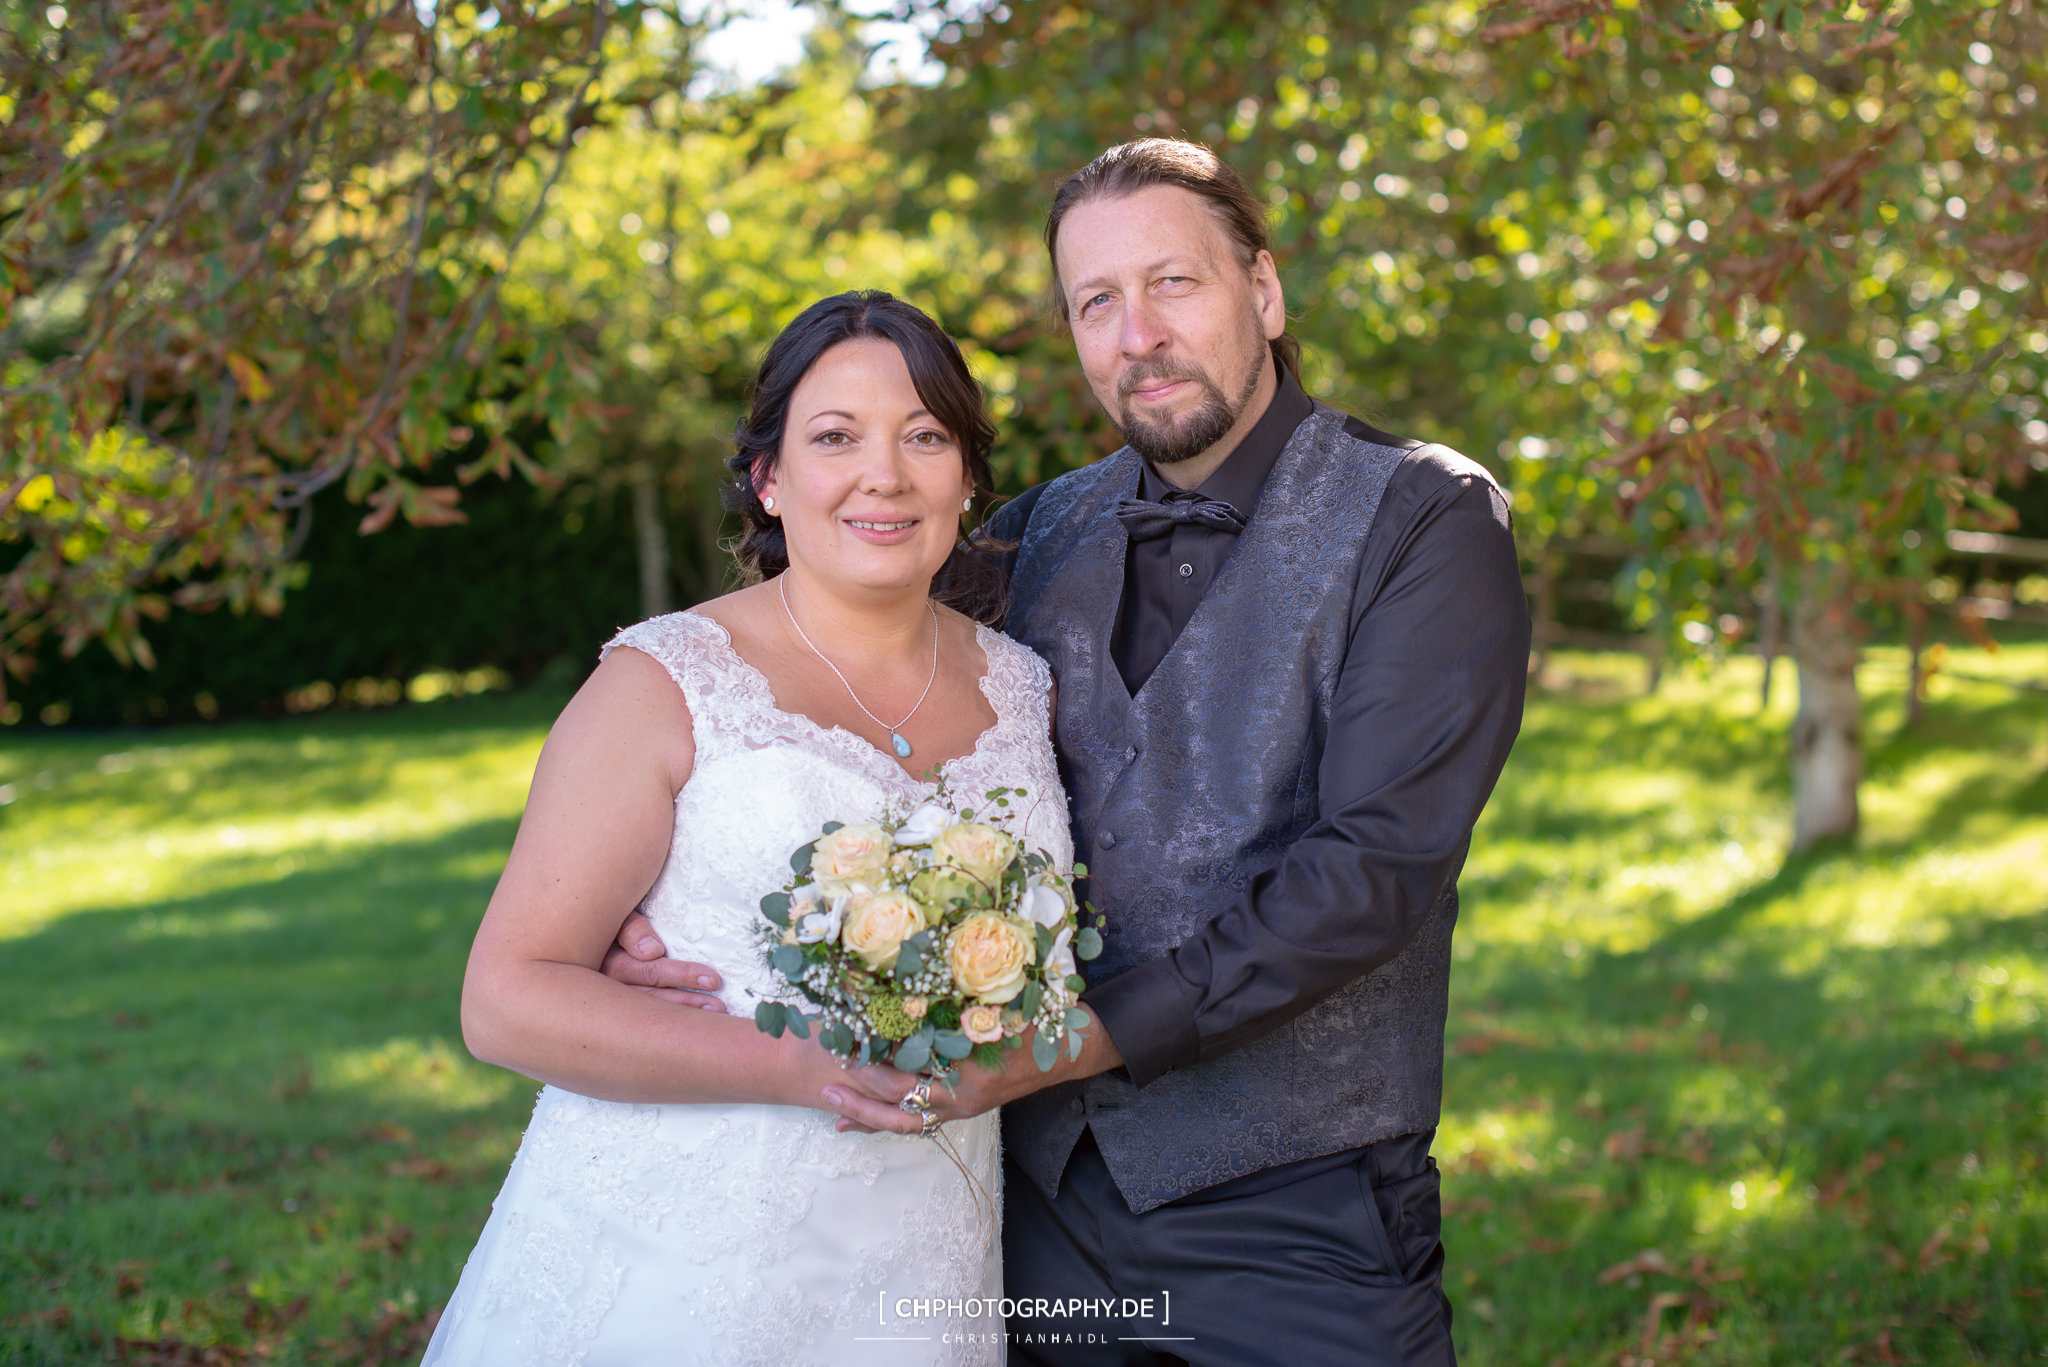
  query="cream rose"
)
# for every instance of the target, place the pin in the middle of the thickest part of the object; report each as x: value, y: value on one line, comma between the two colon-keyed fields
x: 850, y: 855
x: 979, y: 851
x: 877, y: 926
x: 982, y: 1024
x: 988, y: 955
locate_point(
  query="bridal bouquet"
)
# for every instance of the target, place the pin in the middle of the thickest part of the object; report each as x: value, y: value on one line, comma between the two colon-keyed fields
x: 924, y: 937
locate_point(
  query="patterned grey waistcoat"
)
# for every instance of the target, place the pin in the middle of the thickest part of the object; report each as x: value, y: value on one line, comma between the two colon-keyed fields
x: 1184, y: 794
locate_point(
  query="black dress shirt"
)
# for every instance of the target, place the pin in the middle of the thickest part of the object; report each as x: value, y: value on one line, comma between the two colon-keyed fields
x: 1427, y: 705
x: 1166, y: 576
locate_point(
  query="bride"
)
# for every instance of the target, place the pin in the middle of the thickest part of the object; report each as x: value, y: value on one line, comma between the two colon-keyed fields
x: 684, y: 1193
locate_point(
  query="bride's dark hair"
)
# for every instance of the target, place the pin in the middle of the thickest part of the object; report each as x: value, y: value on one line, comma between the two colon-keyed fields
x: 945, y: 386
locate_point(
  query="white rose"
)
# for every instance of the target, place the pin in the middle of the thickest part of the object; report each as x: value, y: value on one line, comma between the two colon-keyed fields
x: 1043, y: 904
x: 924, y: 823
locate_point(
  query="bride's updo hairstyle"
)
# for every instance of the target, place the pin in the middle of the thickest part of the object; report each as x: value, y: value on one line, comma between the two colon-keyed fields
x: 943, y: 382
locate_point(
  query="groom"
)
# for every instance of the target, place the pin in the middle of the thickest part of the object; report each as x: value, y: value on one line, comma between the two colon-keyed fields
x: 1290, y: 651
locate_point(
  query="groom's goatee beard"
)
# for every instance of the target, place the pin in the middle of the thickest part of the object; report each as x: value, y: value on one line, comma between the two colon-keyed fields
x: 1192, y: 435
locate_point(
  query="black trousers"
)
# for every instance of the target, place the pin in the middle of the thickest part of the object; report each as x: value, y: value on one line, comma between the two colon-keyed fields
x: 1329, y: 1260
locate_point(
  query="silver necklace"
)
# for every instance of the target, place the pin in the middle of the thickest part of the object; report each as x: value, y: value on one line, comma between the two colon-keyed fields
x: 896, y: 740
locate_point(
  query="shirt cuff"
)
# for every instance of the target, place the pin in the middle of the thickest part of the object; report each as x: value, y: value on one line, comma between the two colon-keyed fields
x: 1149, y: 1013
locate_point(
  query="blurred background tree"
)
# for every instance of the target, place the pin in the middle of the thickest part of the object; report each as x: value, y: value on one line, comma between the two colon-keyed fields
x: 1748, y: 300
x: 1743, y: 305
x: 249, y: 252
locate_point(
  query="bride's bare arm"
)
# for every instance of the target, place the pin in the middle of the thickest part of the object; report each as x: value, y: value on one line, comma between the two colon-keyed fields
x: 595, y: 834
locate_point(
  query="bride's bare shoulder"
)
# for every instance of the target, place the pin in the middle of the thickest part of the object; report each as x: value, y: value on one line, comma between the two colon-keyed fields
x: 629, y: 710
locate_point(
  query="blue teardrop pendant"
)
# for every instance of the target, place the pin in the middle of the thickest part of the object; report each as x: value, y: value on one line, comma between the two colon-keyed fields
x: 901, y: 745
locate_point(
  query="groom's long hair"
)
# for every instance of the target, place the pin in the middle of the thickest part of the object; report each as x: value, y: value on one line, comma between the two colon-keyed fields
x: 970, y: 579
x: 1140, y: 165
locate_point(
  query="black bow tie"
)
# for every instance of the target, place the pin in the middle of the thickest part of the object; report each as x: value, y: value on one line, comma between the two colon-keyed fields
x: 1145, y: 520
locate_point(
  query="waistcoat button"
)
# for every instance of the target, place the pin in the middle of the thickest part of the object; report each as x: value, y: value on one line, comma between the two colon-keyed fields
x: 1075, y: 1106
x: 1187, y: 571
x: 1106, y: 840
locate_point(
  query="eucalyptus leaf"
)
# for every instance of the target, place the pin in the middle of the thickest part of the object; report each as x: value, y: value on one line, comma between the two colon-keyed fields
x: 1074, y: 1042
x: 953, y: 1044
x: 1045, y: 938
x: 1045, y: 1052
x: 913, y: 1054
x: 1076, y: 983
x: 1028, y: 1000
x: 799, y: 1025
x: 1087, y: 943
x: 771, y: 1017
x: 788, y: 960
x: 1075, y: 1019
x: 832, y: 826
x: 801, y: 860
x: 908, y: 962
x: 775, y: 906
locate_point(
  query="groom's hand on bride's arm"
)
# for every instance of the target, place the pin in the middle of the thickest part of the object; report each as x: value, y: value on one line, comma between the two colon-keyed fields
x: 980, y: 1090
x: 639, y: 959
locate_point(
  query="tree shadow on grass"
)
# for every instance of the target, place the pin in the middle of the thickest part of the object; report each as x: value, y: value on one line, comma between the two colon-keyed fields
x: 255, y: 1092
x: 1882, y: 1123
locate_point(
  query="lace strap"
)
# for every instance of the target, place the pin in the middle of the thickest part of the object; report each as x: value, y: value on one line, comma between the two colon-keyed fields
x: 729, y: 701
x: 1019, y: 683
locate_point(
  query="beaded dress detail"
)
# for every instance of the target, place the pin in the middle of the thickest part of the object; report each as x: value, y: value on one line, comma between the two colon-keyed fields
x: 744, y: 1234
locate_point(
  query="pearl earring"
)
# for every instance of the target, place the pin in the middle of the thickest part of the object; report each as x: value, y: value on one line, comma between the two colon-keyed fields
x: 967, y: 505
x: 768, y: 504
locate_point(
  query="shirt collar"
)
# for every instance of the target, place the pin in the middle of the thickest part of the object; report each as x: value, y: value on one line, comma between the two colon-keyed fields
x: 1242, y: 477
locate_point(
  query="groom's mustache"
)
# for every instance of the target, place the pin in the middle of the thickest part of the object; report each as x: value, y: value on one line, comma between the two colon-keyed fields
x: 1145, y: 371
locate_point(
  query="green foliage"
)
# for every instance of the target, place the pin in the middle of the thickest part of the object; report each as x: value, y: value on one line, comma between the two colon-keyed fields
x: 249, y: 252
x: 1744, y: 290
x: 233, y: 957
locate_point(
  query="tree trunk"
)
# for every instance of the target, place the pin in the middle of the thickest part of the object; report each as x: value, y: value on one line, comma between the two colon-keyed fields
x: 653, y: 542
x: 1827, y: 747
x: 1916, y: 675
x: 1546, y: 613
x: 1769, y: 634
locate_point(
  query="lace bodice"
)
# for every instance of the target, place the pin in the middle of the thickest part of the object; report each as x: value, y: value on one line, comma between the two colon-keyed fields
x: 766, y: 781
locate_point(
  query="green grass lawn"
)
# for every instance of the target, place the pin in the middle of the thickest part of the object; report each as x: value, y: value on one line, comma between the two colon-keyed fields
x: 1704, y: 1103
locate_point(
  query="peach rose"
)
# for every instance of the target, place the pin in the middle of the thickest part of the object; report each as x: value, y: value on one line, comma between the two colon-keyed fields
x: 981, y: 852
x: 988, y: 955
x: 877, y: 926
x: 850, y: 855
x: 982, y: 1024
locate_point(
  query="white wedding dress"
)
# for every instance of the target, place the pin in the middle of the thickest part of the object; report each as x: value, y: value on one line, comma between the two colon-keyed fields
x: 702, y: 1234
